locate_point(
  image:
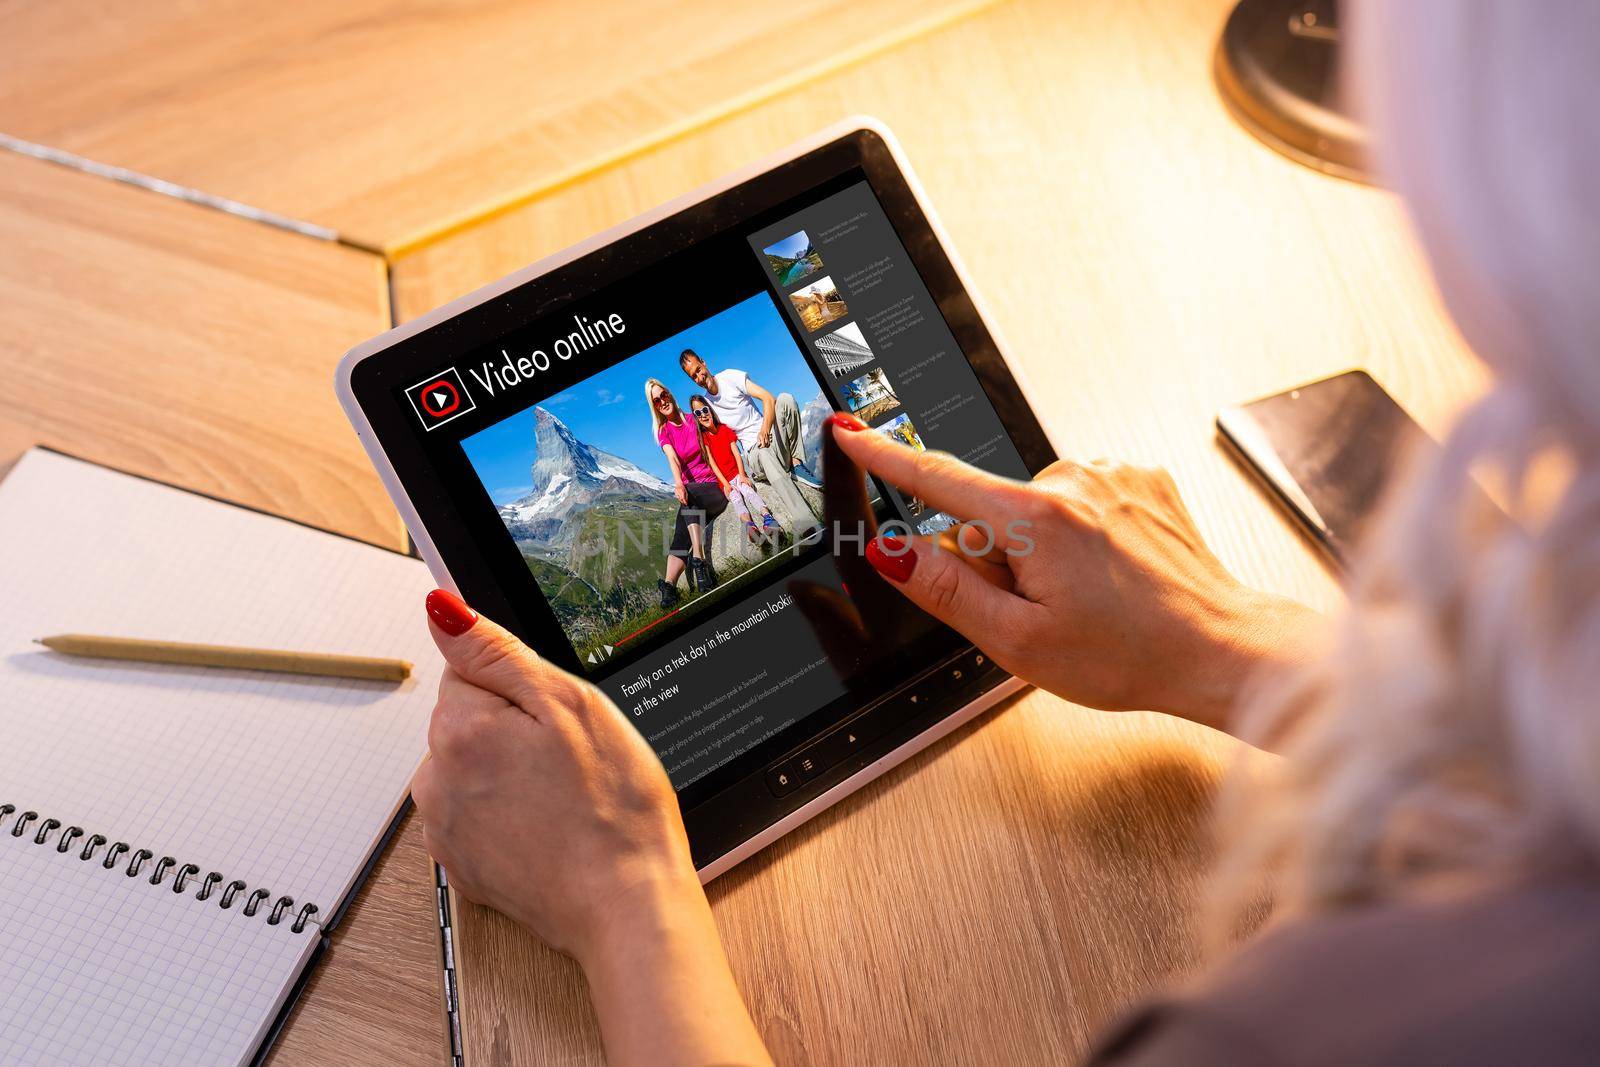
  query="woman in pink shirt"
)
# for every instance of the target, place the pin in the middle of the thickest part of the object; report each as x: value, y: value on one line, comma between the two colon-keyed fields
x: 701, y: 497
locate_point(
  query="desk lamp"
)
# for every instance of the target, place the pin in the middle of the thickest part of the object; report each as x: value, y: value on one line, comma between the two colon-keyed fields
x: 1277, y: 70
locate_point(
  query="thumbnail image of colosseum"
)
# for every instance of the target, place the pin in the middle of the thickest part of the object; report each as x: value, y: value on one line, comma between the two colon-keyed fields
x: 844, y: 350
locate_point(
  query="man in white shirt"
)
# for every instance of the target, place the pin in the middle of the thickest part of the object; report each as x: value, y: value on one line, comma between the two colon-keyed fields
x: 768, y: 428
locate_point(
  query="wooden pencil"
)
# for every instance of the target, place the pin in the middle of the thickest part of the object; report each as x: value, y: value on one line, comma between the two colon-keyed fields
x: 328, y: 665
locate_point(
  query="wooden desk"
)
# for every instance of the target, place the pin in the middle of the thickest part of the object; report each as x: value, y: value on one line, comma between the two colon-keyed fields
x: 186, y: 345
x: 389, y: 122
x: 997, y: 899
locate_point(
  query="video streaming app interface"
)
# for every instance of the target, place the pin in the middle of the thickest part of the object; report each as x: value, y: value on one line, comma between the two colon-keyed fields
x: 645, y: 460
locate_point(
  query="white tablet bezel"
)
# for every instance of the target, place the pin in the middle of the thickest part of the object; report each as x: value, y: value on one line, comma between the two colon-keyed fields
x: 383, y: 463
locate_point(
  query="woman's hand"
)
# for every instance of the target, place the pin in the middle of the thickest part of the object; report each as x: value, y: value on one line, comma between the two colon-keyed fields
x: 543, y: 802
x: 1092, y: 581
x: 538, y: 798
x: 676, y: 468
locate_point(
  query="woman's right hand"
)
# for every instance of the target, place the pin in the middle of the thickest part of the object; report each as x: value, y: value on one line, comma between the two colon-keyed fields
x: 1092, y: 581
x: 682, y: 493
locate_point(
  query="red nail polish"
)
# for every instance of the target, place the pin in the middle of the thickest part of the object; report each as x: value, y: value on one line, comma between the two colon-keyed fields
x: 450, y: 613
x: 840, y: 420
x: 892, y: 557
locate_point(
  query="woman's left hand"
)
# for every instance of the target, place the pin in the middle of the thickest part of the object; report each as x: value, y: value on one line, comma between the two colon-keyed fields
x: 539, y: 798
x: 542, y: 801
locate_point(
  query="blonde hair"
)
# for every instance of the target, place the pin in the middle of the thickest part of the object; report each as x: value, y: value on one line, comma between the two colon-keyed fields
x: 655, y: 413
x: 1452, y: 735
x: 656, y: 420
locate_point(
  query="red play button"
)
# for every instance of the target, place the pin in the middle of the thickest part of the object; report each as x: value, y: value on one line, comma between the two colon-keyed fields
x: 440, y: 398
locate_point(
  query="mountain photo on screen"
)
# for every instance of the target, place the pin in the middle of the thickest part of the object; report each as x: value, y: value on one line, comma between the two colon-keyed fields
x: 585, y: 490
x: 793, y: 258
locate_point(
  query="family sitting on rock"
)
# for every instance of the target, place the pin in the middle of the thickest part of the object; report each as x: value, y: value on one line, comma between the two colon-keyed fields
x: 734, y: 434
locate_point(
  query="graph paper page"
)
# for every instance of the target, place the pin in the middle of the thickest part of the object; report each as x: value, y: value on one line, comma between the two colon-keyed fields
x: 104, y: 968
x: 282, y: 782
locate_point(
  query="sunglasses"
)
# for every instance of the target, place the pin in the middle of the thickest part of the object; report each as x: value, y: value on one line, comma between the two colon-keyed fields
x: 702, y: 413
x: 663, y: 399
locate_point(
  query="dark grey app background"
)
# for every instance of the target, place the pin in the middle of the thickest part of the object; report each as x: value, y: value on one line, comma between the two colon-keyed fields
x: 727, y: 685
x: 900, y: 322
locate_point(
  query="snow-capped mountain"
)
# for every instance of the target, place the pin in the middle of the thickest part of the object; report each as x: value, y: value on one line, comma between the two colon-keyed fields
x: 569, y: 475
x: 812, y: 416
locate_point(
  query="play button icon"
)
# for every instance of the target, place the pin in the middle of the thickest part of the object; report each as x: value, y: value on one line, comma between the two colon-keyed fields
x: 440, y: 398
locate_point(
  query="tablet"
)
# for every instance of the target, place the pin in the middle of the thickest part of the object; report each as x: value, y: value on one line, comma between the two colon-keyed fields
x: 550, y: 441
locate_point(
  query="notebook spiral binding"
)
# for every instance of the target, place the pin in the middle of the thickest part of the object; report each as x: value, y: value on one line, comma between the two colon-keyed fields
x: 182, y: 875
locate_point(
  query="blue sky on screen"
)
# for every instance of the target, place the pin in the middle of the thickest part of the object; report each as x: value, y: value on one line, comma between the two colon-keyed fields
x: 790, y: 246
x: 608, y: 411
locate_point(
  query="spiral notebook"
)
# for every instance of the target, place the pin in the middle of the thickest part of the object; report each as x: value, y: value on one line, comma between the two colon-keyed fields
x: 176, y: 843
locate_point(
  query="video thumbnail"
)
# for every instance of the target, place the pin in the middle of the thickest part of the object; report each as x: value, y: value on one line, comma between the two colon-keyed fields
x: 818, y: 304
x: 621, y: 537
x: 870, y: 396
x: 793, y: 258
x: 844, y: 350
x: 900, y: 429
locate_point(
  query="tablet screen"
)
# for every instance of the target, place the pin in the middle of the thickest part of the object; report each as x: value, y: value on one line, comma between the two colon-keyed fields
x: 634, y: 463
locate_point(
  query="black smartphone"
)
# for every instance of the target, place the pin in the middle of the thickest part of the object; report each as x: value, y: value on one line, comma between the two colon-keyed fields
x: 1326, y: 452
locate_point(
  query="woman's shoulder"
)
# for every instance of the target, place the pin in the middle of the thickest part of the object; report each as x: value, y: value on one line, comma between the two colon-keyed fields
x: 1506, y: 978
